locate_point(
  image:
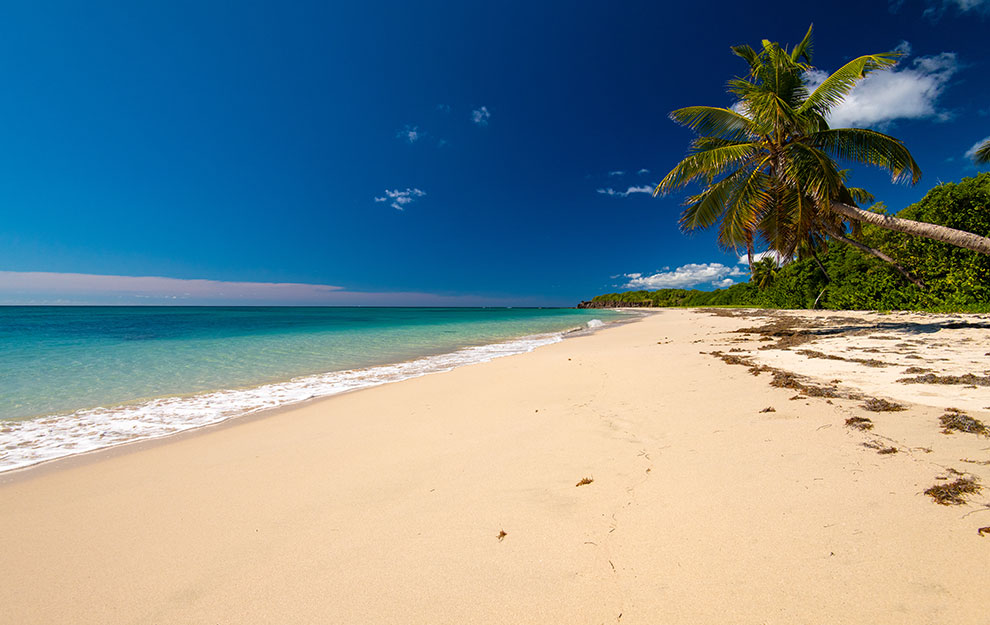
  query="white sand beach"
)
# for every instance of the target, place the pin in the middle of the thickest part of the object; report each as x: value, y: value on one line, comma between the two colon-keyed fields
x: 453, y: 498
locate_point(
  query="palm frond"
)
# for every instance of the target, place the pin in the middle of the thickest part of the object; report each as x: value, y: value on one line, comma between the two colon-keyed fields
x: 812, y: 171
x: 715, y: 121
x: 982, y: 154
x: 742, y: 212
x: 709, y: 163
x: 804, y: 49
x: 858, y: 196
x: 704, y: 209
x: 837, y: 86
x: 869, y: 147
x: 748, y: 54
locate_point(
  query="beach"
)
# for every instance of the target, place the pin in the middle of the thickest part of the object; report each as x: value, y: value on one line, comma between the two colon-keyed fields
x: 645, y: 473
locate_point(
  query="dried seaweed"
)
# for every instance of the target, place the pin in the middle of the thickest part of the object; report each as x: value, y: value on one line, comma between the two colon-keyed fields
x: 874, y: 404
x: 882, y: 449
x: 869, y: 362
x: 956, y: 421
x: 585, y: 480
x: 931, y: 378
x: 860, y: 423
x: 784, y: 330
x: 781, y: 379
x: 954, y: 493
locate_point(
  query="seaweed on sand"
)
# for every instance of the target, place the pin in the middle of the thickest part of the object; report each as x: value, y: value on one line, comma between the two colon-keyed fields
x: 874, y: 404
x: 860, y: 423
x: 781, y: 379
x: 869, y: 362
x: 785, y: 379
x: 953, y: 420
x: 882, y: 449
x: 954, y: 493
x: 930, y: 378
x: 786, y: 331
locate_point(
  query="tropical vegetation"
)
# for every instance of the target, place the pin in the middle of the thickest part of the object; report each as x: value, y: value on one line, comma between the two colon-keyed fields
x: 768, y: 166
x: 845, y: 277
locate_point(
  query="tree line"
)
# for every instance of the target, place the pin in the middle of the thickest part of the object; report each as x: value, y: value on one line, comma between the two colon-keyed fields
x: 944, y: 277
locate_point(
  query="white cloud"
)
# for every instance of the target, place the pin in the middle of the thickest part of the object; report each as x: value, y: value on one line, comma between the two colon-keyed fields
x: 686, y: 276
x: 882, y: 97
x: 443, y: 108
x: 481, y: 116
x: 412, y: 134
x: 617, y: 173
x: 643, y: 171
x: 970, y: 153
x: 399, y: 199
x: 744, y: 259
x: 627, y: 192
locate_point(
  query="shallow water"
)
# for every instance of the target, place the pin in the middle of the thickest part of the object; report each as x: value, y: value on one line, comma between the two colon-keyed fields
x: 74, y: 379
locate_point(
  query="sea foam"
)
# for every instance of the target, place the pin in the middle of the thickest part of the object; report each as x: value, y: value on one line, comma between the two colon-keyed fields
x: 30, y: 441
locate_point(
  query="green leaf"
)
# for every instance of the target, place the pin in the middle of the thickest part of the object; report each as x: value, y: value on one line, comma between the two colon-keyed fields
x: 837, y: 86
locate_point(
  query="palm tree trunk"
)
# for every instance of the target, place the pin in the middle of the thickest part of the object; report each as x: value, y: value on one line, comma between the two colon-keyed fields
x: 869, y: 250
x: 959, y: 238
x: 814, y: 255
x: 749, y: 252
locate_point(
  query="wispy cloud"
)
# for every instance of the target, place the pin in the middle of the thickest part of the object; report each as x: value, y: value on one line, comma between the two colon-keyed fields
x: 643, y: 172
x: 411, y: 134
x: 617, y: 173
x: 692, y: 274
x: 971, y: 153
x: 481, y: 116
x: 627, y: 192
x: 443, y: 108
x: 935, y: 9
x: 909, y: 92
x: 35, y: 287
x: 400, y: 199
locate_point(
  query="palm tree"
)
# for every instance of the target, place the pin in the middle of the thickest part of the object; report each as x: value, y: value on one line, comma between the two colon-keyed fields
x: 768, y: 164
x: 982, y: 154
x: 764, y: 272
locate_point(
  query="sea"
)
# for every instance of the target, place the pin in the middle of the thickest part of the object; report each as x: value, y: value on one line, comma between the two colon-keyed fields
x: 76, y: 379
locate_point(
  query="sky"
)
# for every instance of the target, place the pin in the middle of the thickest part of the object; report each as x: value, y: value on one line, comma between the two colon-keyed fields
x: 400, y: 153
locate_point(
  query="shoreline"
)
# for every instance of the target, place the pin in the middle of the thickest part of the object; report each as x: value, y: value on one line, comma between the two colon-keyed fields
x: 389, y: 505
x: 14, y: 474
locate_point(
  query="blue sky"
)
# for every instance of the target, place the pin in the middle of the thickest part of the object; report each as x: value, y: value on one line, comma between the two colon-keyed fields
x: 412, y: 153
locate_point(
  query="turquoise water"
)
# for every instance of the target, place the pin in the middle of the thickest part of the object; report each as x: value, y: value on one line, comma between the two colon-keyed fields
x: 78, y: 378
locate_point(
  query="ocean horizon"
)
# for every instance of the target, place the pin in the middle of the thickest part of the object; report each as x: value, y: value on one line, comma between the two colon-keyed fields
x: 79, y: 378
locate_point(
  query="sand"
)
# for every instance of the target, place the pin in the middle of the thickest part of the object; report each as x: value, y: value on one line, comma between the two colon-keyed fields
x: 387, y: 505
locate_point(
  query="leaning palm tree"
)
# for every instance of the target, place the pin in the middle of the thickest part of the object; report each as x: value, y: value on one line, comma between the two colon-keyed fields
x: 982, y: 154
x: 768, y: 164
